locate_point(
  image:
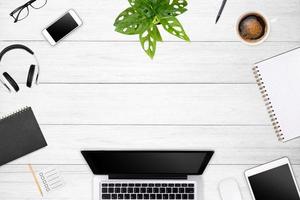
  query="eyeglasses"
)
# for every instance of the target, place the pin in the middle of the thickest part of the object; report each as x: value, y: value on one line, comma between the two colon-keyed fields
x: 22, y: 12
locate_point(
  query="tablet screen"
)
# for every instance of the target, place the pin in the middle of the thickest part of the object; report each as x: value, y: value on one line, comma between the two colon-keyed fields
x: 274, y: 184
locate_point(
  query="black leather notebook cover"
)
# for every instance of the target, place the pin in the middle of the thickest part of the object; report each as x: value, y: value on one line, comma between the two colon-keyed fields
x: 20, y: 134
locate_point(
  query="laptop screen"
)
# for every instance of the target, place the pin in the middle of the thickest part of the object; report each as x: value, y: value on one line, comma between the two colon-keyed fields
x: 147, y: 162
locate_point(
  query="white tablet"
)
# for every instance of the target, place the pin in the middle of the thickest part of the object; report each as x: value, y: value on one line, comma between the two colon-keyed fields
x: 273, y: 181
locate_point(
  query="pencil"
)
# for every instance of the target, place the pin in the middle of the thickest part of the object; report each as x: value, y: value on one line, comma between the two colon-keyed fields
x: 221, y: 10
x: 35, y: 179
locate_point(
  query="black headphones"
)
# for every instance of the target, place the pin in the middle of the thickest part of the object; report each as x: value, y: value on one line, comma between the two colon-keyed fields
x: 31, y: 71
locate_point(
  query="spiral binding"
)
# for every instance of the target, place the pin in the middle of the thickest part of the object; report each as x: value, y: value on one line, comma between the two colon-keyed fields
x: 268, y: 104
x: 14, y: 113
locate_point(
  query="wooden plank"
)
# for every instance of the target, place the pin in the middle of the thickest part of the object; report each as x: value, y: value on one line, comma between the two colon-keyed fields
x: 199, y: 21
x: 232, y: 144
x: 79, y: 182
x: 141, y: 104
x: 98, y: 62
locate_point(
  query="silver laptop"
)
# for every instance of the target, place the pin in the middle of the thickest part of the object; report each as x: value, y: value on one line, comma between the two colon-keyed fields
x: 147, y: 174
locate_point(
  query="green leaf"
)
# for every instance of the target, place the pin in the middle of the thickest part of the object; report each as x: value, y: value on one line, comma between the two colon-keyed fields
x: 173, y: 26
x: 179, y: 7
x: 124, y: 15
x: 132, y: 2
x: 148, y: 41
x: 131, y: 22
x: 154, y: 2
x: 157, y: 34
x: 143, y: 7
x: 161, y: 3
x: 164, y: 2
x: 165, y: 11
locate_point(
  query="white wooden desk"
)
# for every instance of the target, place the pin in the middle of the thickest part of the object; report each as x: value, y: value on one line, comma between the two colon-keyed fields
x: 99, y: 90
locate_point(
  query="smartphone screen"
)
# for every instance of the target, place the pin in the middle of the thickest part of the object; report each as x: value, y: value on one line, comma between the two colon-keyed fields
x: 62, y: 27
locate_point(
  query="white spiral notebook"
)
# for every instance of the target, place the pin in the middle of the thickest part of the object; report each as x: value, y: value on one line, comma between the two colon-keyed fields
x: 278, y: 79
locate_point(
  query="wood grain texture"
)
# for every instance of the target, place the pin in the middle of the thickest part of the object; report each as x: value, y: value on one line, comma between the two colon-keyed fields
x: 79, y: 182
x: 141, y: 104
x: 98, y: 62
x: 98, y: 17
x: 98, y: 90
x: 232, y: 144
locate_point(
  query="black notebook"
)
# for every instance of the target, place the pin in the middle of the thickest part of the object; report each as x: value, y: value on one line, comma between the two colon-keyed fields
x: 20, y: 134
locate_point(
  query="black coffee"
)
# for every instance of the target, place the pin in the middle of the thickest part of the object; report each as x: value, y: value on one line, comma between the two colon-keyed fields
x: 252, y: 27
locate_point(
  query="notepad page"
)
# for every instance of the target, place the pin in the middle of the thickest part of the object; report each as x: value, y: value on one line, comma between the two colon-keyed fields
x: 281, y: 78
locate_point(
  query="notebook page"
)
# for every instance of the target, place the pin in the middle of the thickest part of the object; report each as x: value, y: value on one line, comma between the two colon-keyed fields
x: 281, y: 77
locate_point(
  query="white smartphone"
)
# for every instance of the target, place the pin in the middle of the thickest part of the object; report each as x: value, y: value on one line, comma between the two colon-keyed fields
x: 62, y: 27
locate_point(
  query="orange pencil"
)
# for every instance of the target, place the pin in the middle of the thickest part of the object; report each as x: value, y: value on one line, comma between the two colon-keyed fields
x: 35, y: 179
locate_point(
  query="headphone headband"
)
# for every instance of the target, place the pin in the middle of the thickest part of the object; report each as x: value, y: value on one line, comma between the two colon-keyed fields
x: 15, y: 46
x: 19, y: 46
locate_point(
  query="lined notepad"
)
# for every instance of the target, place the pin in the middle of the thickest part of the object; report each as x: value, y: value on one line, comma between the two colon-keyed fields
x: 278, y: 79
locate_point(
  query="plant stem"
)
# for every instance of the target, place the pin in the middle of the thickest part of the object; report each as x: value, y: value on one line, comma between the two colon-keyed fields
x: 155, y: 20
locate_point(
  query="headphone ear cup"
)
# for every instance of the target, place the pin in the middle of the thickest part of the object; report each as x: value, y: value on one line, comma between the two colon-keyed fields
x: 11, y: 81
x: 30, y: 76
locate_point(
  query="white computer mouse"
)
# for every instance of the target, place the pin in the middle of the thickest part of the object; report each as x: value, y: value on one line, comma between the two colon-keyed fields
x: 229, y: 190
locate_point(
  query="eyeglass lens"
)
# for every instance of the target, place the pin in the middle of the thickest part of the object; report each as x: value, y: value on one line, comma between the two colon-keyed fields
x: 23, y: 11
x: 21, y: 14
x: 38, y: 4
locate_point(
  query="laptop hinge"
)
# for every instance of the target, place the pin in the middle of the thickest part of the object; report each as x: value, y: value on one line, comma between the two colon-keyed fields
x: 147, y: 176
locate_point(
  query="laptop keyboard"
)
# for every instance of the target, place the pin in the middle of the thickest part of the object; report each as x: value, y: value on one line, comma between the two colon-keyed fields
x: 147, y: 190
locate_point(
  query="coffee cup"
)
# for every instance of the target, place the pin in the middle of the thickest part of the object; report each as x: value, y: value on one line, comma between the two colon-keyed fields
x: 253, y: 28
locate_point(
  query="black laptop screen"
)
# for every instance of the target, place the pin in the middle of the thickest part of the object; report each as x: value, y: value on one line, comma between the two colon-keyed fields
x: 147, y: 162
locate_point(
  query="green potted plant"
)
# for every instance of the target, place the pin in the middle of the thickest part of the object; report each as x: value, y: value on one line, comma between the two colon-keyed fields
x: 143, y: 18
